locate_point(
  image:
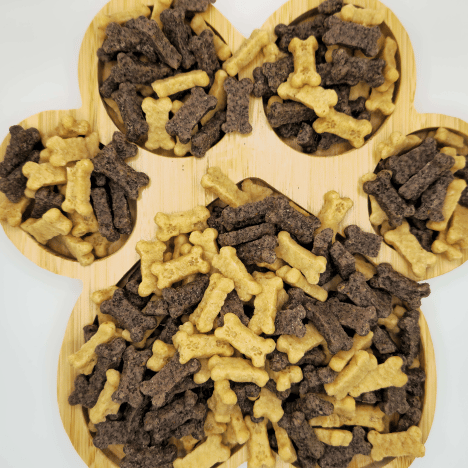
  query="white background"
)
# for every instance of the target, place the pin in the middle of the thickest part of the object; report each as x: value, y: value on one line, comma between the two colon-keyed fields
x: 39, y: 44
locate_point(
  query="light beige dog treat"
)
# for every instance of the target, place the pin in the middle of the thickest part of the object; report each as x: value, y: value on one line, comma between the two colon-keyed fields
x: 258, y: 447
x: 246, y: 52
x: 69, y: 127
x: 286, y: 450
x: 181, y: 82
x: 213, y: 299
x: 206, y: 455
x: 275, y: 266
x: 12, y: 212
x: 237, y: 370
x: 181, y: 223
x: 207, y: 241
x: 52, y: 223
x: 255, y: 191
x: 78, y: 191
x: 286, y: 377
x: 296, y: 347
x: 162, y: 354
x: 397, y: 143
x: 397, y: 444
x: 444, y: 136
x: 223, y: 51
x: 199, y: 346
x: 332, y: 420
x: 105, y: 405
x: 272, y: 53
x: 334, y: 437
x: 305, y: 71
x: 175, y: 270
x: 441, y: 246
x: 460, y: 161
x: 363, y: 16
x: 43, y: 175
x: 319, y: 99
x: 157, y: 116
x: 79, y: 248
x: 333, y: 211
x: 213, y: 427
x: 345, y: 407
x: 364, y: 267
x: 83, y: 225
x: 217, y: 90
x: 268, y: 405
x: 341, y: 359
x: 454, y: 191
x: 265, y: 304
x: 381, y: 101
x: 390, y: 71
x: 98, y: 297
x: 179, y: 241
x: 100, y: 244
x: 149, y: 252
x: 68, y: 150
x: 361, y: 364
x: 237, y: 431
x: 378, y: 216
x: 407, y: 245
x: 245, y: 340
x: 367, y: 416
x: 362, y: 89
x: 310, y: 265
x: 222, y: 401
x: 204, y: 374
x: 158, y: 8
x: 229, y: 265
x: 294, y: 277
x: 218, y: 183
x: 344, y: 126
x: 388, y: 374
x: 458, y: 230
x: 85, y: 358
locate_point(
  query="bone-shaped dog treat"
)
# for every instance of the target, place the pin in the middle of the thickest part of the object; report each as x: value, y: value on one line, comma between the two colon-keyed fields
x: 79, y: 188
x: 149, y: 253
x: 382, y: 341
x: 296, y: 347
x: 394, y: 400
x: 257, y: 251
x: 388, y: 198
x: 232, y: 305
x: 222, y: 401
x: 157, y: 116
x: 284, y: 378
x: 217, y: 90
x: 246, y: 235
x: 303, y: 31
x: 120, y: 208
x: 398, y: 444
x: 382, y: 101
x: 354, y: 36
x: 268, y: 406
x: 105, y: 406
x: 45, y: 200
x: 390, y: 71
x: 341, y: 359
x: 304, y: 62
x: 308, y: 138
x: 206, y: 240
x: 104, y: 214
x: 247, y: 215
x: 209, y: 135
x: 289, y: 112
x: 396, y: 144
x: 289, y: 322
x: 43, y: 175
x: 162, y: 354
x: 445, y: 137
x: 68, y: 150
x: 205, y: 455
x: 180, y: 82
x: 78, y: 248
x: 258, y: 446
x: 333, y: 437
x: 329, y: 7
x: 204, y: 50
x: 315, y: 378
x: 410, y: 335
x: 323, y: 238
x: 237, y: 112
x: 360, y: 319
x: 145, y: 456
x: 364, y: 16
x: 236, y: 370
x: 343, y: 261
x: 358, y: 241
x: 222, y: 186
x: 286, y: 450
x: 458, y: 227
x: 312, y: 406
x: 223, y: 51
x: 51, y: 224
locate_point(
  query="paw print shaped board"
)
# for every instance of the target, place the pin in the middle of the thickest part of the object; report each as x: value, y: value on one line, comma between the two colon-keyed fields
x: 175, y: 186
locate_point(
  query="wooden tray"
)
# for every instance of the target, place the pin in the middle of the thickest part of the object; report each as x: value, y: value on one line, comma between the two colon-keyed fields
x: 175, y: 186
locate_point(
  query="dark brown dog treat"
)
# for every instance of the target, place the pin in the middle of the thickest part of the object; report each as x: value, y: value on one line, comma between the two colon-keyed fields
x: 120, y: 209
x: 98, y: 180
x: 133, y: 285
x: 271, y: 386
x: 410, y: 418
x: 302, y: 434
x: 362, y: 295
x: 364, y: 243
x: 316, y: 376
x: 382, y: 341
x: 132, y: 374
x: 166, y: 52
x: 311, y: 405
x: 369, y: 398
x: 415, y: 384
x: 237, y: 111
x: 162, y: 384
x: 297, y: 297
x: 394, y: 401
x: 196, y: 6
x: 108, y: 162
x: 322, y: 243
x: 327, y: 140
x: 14, y: 185
x: 417, y: 184
x: 156, y: 308
x: 330, y: 7
x: 343, y: 98
x: 127, y: 431
x: 135, y: 299
x: 232, y: 305
x: 89, y: 331
x: 45, y: 200
x: 337, y: 457
x: 413, y: 401
x: 247, y: 234
x: 410, y: 335
x: 124, y: 148
x: 215, y: 219
x: 306, y: 461
x: 359, y: 319
x: 257, y: 251
x: 408, y: 164
x: 425, y: 237
x: 181, y: 298
x: 289, y: 112
x: 329, y: 327
x: 248, y: 214
x: 193, y: 427
x: 285, y: 34
x: 314, y: 357
x: 278, y: 361
x: 244, y: 392
x: 204, y: 50
x: 19, y: 148
x: 344, y: 262
x: 352, y: 35
x: 148, y: 457
x: 407, y: 290
x: 208, y: 135
x: 464, y: 198
x: 178, y: 34
x: 417, y: 223
x: 128, y: 315
x: 103, y: 57
x: 260, y: 87
x: 308, y: 138
x: 289, y: 322
x: 190, y: 114
x: 389, y: 199
x: 358, y: 106
x: 171, y: 327
x: 103, y: 214
x: 290, y: 130
x: 351, y: 70
x: 277, y: 72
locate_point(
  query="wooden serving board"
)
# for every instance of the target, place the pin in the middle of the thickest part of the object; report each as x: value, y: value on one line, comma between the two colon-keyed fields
x: 175, y: 186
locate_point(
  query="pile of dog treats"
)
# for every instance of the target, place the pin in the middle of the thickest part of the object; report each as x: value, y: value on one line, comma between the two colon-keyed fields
x: 329, y: 80
x: 66, y: 191
x: 255, y: 322
x: 419, y: 197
